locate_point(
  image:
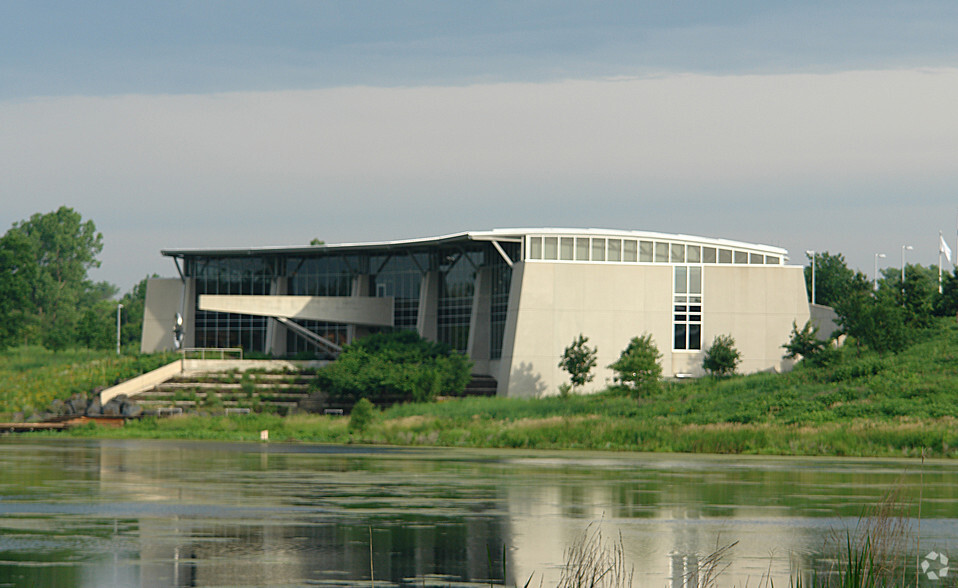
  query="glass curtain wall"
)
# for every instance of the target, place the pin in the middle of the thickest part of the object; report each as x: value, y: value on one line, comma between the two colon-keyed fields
x: 330, y: 275
x: 457, y: 284
x: 231, y: 275
x: 399, y: 276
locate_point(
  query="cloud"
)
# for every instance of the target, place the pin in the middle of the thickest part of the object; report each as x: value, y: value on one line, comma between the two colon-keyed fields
x: 257, y: 168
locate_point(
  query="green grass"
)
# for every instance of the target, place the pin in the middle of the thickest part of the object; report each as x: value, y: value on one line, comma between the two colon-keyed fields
x: 863, y: 405
x: 33, y: 377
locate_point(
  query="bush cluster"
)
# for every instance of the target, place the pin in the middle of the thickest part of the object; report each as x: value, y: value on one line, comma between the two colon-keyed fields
x: 394, y: 367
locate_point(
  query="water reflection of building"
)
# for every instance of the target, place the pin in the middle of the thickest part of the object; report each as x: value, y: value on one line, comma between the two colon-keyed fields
x: 198, y: 537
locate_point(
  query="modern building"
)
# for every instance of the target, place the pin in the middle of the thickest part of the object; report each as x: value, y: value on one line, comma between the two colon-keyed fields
x: 512, y: 299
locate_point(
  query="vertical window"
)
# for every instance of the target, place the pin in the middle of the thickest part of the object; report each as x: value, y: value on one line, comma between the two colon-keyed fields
x: 628, y: 251
x: 645, y: 251
x: 661, y: 252
x: 687, y: 308
x: 565, y: 248
x: 615, y: 250
x: 582, y: 249
x: 550, y: 248
x: 694, y: 254
x: 677, y: 253
x: 598, y: 249
x: 535, y: 247
x: 708, y: 255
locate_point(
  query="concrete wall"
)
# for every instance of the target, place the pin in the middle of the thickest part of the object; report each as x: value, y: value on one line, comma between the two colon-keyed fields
x: 164, y: 297
x: 551, y: 303
x: 756, y: 305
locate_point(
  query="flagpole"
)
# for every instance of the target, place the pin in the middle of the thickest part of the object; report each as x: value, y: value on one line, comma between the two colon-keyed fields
x: 941, y: 241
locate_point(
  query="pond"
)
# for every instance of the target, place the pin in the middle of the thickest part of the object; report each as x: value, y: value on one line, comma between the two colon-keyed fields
x: 166, y: 513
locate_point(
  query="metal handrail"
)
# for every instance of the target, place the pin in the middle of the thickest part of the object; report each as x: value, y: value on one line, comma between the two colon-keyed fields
x: 222, y: 351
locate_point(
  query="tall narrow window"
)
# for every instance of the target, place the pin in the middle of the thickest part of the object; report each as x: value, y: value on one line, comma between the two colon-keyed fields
x: 687, y: 309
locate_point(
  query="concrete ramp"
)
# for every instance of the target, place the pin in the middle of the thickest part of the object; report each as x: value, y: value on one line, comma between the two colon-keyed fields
x: 350, y: 310
x: 142, y: 383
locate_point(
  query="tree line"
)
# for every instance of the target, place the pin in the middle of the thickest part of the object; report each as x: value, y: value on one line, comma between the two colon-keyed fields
x: 889, y: 313
x: 46, y: 295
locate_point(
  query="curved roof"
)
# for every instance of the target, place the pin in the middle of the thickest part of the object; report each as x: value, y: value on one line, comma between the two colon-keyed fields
x: 490, y: 235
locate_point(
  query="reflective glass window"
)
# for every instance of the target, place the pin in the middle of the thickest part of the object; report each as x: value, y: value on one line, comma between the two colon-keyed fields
x: 645, y: 251
x: 598, y: 249
x: 629, y: 252
x: 565, y: 248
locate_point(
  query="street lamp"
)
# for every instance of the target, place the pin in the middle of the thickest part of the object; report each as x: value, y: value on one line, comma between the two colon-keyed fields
x: 903, y: 249
x: 119, y: 307
x: 877, y: 257
x: 812, y: 253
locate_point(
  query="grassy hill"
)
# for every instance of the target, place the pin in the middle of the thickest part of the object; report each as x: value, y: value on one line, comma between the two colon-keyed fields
x: 864, y: 404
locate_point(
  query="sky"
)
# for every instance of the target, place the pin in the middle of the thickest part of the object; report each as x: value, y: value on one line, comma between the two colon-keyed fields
x: 825, y: 126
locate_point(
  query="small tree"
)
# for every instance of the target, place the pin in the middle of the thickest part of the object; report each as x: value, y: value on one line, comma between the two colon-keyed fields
x: 804, y: 344
x: 578, y: 359
x: 361, y: 415
x: 638, y: 367
x: 722, y: 357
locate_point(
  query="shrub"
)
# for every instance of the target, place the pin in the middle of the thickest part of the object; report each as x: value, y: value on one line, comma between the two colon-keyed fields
x: 361, y: 416
x: 395, y: 367
x: 578, y: 359
x: 722, y: 357
x: 638, y: 367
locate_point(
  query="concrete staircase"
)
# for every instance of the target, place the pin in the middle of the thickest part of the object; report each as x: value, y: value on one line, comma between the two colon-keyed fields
x: 231, y: 390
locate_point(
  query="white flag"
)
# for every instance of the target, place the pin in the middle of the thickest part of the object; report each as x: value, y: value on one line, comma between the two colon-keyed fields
x: 944, y: 248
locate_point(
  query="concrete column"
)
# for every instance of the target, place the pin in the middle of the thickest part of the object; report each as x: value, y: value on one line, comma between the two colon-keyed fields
x: 275, y: 330
x: 360, y: 288
x: 189, y: 313
x: 480, y: 323
x: 427, y: 321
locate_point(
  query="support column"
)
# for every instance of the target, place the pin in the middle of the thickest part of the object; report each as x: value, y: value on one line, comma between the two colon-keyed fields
x: 480, y: 322
x: 275, y: 330
x: 427, y: 321
x: 360, y: 288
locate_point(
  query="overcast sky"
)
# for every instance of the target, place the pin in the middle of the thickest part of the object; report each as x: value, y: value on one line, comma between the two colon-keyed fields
x: 830, y: 126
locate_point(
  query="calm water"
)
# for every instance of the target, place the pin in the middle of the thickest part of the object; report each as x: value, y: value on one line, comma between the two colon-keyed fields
x: 156, y: 513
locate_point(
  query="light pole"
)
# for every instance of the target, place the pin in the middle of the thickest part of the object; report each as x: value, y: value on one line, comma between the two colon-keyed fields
x: 903, y: 249
x: 812, y: 253
x: 877, y: 257
x: 119, y: 307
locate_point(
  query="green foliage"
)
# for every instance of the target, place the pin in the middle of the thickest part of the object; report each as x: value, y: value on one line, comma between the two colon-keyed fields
x: 834, y: 280
x: 878, y: 322
x: 395, y: 367
x: 33, y: 377
x: 721, y: 358
x: 806, y: 346
x: 638, y: 366
x: 578, y: 359
x: 362, y: 414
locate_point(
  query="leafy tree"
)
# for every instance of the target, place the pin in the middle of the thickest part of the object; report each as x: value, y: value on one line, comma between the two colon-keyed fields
x: 578, y: 359
x: 638, y: 366
x: 62, y: 248
x: 877, y: 322
x: 721, y: 358
x: 131, y: 323
x: 17, y: 274
x: 947, y: 303
x: 804, y: 343
x: 834, y: 280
